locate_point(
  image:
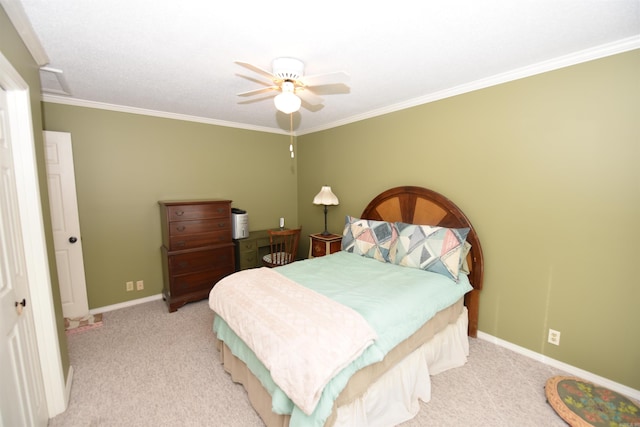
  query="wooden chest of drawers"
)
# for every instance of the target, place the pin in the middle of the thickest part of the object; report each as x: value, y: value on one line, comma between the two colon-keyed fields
x: 197, y: 249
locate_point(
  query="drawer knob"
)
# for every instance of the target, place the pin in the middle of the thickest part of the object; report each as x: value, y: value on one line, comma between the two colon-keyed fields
x: 181, y: 228
x: 179, y: 213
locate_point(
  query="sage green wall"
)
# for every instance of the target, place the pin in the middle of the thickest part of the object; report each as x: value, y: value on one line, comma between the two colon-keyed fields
x: 125, y: 163
x: 15, y: 51
x: 547, y: 170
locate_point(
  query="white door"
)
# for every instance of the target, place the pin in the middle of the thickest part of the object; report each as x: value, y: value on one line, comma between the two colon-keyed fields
x: 22, y: 397
x: 66, y: 223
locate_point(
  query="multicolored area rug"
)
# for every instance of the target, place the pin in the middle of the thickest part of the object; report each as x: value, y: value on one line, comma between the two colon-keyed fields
x: 80, y: 324
x: 582, y: 404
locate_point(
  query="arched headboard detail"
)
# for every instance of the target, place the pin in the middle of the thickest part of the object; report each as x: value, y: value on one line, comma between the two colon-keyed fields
x: 417, y: 205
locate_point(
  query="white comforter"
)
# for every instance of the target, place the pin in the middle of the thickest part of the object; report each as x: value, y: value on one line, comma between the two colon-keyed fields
x: 301, y: 336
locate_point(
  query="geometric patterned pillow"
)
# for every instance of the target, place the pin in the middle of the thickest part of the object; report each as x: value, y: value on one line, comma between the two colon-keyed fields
x: 369, y: 238
x: 464, y: 266
x: 436, y: 249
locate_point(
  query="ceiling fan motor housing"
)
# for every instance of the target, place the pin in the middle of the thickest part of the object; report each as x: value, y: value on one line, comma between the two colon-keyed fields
x: 288, y: 68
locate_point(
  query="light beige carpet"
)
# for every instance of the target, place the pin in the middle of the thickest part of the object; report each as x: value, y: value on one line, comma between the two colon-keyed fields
x: 148, y: 367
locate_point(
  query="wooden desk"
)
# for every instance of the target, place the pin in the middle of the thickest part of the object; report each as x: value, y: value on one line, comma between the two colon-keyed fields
x: 249, y: 251
x: 320, y: 245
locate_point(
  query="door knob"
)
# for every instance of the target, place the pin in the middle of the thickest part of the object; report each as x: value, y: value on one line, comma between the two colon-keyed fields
x: 73, y: 239
x: 20, y: 306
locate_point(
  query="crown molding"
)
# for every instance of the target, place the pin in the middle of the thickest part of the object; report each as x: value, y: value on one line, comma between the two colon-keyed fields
x: 56, y: 99
x: 19, y: 19
x: 586, y: 55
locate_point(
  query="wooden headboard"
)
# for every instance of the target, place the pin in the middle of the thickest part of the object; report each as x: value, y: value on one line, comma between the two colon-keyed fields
x: 417, y: 205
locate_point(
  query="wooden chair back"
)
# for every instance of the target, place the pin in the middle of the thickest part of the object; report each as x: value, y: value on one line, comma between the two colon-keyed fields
x: 284, y: 247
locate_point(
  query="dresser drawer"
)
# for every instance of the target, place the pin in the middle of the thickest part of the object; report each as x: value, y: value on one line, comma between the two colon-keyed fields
x: 192, y: 261
x: 199, y: 281
x: 198, y: 211
x: 247, y: 260
x: 178, y: 228
x: 246, y: 245
x: 189, y: 241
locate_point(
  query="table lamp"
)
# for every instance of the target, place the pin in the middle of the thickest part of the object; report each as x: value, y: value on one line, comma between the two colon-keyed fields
x: 325, y: 197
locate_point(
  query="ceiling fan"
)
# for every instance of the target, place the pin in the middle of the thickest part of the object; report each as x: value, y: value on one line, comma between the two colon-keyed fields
x: 287, y: 77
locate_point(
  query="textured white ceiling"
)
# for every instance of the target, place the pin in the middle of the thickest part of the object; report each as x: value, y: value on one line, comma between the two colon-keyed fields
x: 177, y: 56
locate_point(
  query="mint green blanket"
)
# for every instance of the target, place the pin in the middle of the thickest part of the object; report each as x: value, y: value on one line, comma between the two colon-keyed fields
x: 395, y: 300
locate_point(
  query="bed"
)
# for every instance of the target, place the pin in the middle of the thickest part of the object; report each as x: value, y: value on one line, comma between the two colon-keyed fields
x: 374, y: 385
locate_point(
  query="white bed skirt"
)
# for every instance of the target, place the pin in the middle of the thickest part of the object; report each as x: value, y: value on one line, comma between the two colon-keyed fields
x: 393, y: 398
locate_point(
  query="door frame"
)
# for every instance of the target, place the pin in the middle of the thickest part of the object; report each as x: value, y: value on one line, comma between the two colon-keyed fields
x: 34, y: 239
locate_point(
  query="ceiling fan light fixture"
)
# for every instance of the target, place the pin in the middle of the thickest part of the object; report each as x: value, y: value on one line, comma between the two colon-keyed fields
x: 287, y: 101
x: 288, y: 78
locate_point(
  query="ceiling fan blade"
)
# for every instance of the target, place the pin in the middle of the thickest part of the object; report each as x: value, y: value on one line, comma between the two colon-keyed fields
x: 257, y: 80
x: 257, y: 69
x: 258, y: 91
x: 258, y: 99
x: 325, y: 79
x: 307, y: 96
x: 313, y: 108
x: 331, y: 89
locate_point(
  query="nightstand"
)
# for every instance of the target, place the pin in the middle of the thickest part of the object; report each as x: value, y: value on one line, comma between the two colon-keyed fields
x: 320, y: 245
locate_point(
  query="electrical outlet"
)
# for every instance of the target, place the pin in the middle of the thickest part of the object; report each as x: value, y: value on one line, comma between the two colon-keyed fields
x: 129, y: 286
x: 554, y: 337
x: 140, y: 285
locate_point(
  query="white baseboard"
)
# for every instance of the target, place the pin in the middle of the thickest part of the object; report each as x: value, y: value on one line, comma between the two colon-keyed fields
x: 125, y: 304
x: 596, y: 379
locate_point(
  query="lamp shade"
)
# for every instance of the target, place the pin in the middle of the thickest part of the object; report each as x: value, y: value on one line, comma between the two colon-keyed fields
x: 325, y: 197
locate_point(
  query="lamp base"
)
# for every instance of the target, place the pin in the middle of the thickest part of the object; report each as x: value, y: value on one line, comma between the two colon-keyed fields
x: 326, y: 231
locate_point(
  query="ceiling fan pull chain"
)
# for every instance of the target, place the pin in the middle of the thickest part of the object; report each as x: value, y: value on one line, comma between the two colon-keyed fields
x: 291, y: 135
